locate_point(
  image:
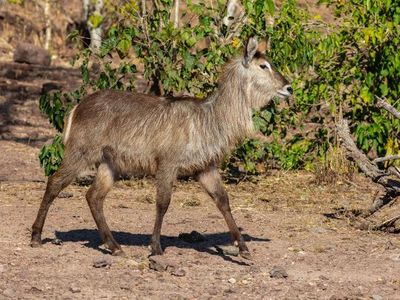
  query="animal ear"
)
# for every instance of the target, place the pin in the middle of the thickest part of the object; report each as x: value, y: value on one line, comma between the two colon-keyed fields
x: 263, y: 46
x: 250, y: 51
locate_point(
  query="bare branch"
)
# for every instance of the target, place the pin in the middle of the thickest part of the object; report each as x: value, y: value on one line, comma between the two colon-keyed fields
x: 386, y: 158
x: 176, y: 13
x: 387, y: 223
x: 394, y: 171
x: 385, y: 105
x: 47, y: 15
x: 366, y: 166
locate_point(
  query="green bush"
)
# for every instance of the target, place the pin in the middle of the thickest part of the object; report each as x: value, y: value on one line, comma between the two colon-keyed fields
x: 336, y: 70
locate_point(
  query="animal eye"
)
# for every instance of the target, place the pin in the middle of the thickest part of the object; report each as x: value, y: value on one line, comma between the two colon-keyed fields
x: 264, y: 66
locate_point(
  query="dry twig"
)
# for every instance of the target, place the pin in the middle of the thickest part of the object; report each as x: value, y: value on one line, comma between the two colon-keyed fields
x: 386, y: 158
x: 391, y: 186
x: 385, y: 105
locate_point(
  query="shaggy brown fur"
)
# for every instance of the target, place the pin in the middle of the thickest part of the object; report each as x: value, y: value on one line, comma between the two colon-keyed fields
x: 122, y: 132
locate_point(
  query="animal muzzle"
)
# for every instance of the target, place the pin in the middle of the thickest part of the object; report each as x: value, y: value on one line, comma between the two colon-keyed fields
x: 286, y: 91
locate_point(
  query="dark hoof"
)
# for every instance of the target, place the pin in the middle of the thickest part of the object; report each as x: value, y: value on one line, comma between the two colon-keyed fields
x: 119, y: 253
x: 36, y: 243
x: 245, y: 255
x: 156, y: 250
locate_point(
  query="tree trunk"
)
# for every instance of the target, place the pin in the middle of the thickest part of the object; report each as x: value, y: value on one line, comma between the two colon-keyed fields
x: 96, y: 32
x: 47, y: 14
x: 176, y: 13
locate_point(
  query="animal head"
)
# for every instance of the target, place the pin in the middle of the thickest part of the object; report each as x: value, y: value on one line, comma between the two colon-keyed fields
x: 265, y: 81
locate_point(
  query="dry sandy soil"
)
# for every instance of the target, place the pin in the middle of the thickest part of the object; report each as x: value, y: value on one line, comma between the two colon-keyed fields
x: 287, y: 220
x: 282, y: 216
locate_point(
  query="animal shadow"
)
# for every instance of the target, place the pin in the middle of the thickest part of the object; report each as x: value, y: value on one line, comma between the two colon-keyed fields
x: 210, y: 244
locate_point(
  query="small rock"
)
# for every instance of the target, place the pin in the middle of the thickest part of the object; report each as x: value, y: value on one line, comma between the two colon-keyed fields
x: 395, y: 257
x: 102, y: 262
x: 228, y: 250
x: 232, y: 280
x: 322, y: 277
x: 2, y: 269
x: 31, y: 54
x: 159, y: 263
x: 377, y: 297
x: 74, y: 289
x: 193, y: 237
x: 278, y: 272
x: 10, y: 293
x: 213, y: 291
x: 65, y: 195
x: 57, y: 242
x: 178, y: 272
x: 318, y: 230
x: 122, y: 206
x: 229, y: 291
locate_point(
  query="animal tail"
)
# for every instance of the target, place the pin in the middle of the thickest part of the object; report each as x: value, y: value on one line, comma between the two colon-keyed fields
x: 67, y: 125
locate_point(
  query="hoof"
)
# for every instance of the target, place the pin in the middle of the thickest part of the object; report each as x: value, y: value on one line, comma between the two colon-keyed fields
x: 156, y: 250
x: 36, y: 244
x: 118, y: 252
x: 245, y: 255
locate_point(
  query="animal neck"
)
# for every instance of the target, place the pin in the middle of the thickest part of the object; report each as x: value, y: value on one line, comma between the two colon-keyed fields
x: 230, y: 104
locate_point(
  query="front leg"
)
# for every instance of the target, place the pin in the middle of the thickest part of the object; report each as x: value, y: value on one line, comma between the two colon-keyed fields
x: 165, y: 178
x: 212, y: 183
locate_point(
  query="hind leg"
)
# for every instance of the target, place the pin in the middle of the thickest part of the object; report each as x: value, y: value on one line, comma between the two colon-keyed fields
x: 211, y: 182
x: 58, y: 181
x: 164, y: 180
x: 95, y: 198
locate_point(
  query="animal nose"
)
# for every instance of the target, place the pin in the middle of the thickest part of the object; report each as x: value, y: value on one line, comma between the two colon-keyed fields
x: 288, y: 88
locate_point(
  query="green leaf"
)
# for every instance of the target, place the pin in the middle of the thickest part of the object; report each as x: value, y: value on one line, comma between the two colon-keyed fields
x: 123, y: 47
x: 95, y: 20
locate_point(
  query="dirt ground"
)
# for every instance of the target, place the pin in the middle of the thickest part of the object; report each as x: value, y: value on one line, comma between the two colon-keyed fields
x: 286, y: 218
x: 283, y: 216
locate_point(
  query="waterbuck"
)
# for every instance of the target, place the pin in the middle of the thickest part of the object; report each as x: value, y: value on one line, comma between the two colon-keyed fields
x: 124, y: 132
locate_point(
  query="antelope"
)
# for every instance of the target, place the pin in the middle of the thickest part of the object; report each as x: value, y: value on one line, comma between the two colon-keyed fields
x: 122, y: 132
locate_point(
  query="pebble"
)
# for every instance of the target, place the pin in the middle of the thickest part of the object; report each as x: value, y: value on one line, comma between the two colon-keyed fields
x: 377, y: 297
x: 102, y: 262
x: 10, y: 293
x: 65, y: 195
x: 74, y: 289
x: 159, y: 263
x: 395, y: 257
x: 2, y: 269
x: 228, y: 250
x: 213, y: 291
x: 278, y: 272
x: 323, y: 277
x: 232, y: 280
x: 57, y: 242
x: 179, y: 272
